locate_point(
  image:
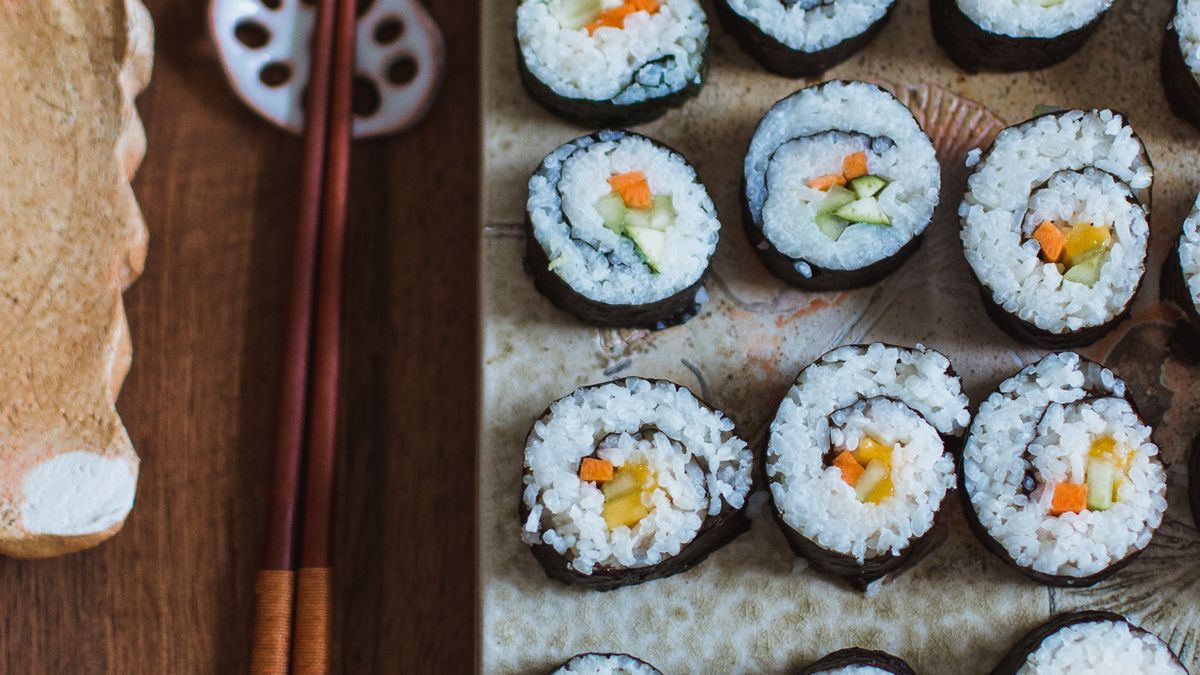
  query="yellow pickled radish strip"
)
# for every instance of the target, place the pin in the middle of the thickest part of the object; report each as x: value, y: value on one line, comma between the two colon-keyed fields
x: 870, y: 449
x: 623, y: 495
x: 1083, y: 239
x: 875, y: 483
x: 1105, y: 449
x: 882, y: 491
x: 1102, y: 446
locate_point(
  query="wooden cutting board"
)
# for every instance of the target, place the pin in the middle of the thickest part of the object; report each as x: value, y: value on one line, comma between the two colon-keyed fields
x: 173, y: 591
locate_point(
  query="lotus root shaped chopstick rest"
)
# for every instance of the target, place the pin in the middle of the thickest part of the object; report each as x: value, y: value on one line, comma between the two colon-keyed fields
x: 264, y: 49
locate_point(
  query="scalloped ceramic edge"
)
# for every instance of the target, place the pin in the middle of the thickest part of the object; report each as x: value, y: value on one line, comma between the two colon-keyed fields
x: 68, y: 470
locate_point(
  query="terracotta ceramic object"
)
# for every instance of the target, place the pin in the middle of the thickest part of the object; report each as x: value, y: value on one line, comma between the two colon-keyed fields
x: 71, y: 239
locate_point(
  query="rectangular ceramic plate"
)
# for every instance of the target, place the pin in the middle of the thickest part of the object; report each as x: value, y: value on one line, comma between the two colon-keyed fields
x: 750, y: 607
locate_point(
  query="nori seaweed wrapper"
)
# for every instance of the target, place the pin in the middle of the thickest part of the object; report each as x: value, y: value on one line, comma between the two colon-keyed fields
x: 592, y: 114
x: 786, y: 267
x: 974, y: 49
x: 1185, y: 338
x: 780, y: 59
x: 1183, y: 92
x: 622, y: 655
x: 715, y: 532
x: 1094, y: 390
x: 1027, y: 645
x: 886, y: 566
x: 1194, y: 481
x: 1027, y: 332
x: 670, y: 311
x: 856, y: 656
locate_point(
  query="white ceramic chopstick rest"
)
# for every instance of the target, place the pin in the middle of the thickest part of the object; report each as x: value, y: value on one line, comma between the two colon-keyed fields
x: 264, y: 49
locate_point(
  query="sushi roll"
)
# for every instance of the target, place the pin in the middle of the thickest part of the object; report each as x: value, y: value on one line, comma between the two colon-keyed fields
x: 860, y: 459
x: 856, y: 661
x: 1013, y: 35
x: 630, y: 481
x: 1181, y: 285
x: 619, y: 231
x: 1060, y: 476
x: 1181, y: 61
x: 611, y: 62
x: 839, y: 183
x: 605, y: 664
x: 1055, y: 226
x: 1090, y: 642
x: 803, y: 38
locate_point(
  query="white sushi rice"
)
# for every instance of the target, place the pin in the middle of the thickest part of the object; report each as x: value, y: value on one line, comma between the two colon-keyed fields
x: 597, y: 262
x: 1101, y: 647
x: 1189, y: 253
x: 1051, y: 410
x: 606, y: 664
x: 1059, y: 150
x: 1187, y: 24
x: 812, y: 25
x: 837, y: 400
x: 699, y: 466
x: 1030, y: 18
x: 780, y: 199
x: 652, y: 56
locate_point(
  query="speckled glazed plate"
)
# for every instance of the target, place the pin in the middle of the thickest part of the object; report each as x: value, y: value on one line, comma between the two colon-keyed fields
x: 750, y: 607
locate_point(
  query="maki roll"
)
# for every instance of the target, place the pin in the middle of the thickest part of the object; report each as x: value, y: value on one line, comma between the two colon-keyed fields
x: 605, y: 664
x: 630, y: 481
x: 1060, y: 476
x: 1012, y: 35
x: 1181, y: 285
x: 1181, y: 61
x: 803, y: 38
x: 1090, y: 642
x: 611, y: 62
x: 856, y: 661
x: 619, y: 231
x: 860, y: 459
x: 839, y: 183
x: 1055, y: 226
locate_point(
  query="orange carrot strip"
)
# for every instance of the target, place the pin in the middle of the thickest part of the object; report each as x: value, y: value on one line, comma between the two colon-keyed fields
x: 855, y: 165
x: 1068, y: 497
x: 823, y: 183
x: 633, y: 188
x: 612, y: 18
x: 649, y: 6
x: 593, y: 469
x: 851, y: 469
x: 1051, y: 239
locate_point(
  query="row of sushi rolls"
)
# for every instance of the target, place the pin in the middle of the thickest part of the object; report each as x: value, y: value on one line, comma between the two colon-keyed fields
x: 637, y: 479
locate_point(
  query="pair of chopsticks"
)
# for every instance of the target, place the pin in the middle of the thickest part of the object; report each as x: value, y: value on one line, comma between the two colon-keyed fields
x: 293, y: 618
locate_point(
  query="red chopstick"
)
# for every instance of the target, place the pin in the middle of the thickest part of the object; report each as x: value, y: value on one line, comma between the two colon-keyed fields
x: 314, y: 593
x: 322, y: 196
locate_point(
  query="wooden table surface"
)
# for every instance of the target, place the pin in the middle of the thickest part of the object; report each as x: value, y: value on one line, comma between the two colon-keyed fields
x: 173, y: 592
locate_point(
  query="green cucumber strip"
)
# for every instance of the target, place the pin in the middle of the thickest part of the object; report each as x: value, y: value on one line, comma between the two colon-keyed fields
x: 867, y: 186
x: 612, y: 211
x: 651, y: 243
x: 865, y: 210
x: 831, y: 226
x: 835, y: 198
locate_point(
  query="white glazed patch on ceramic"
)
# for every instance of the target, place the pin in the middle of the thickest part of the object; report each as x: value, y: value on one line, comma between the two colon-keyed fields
x: 78, y: 493
x: 398, y: 50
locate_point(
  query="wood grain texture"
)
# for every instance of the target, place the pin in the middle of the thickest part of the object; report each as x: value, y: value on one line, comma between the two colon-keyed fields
x: 174, y: 591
